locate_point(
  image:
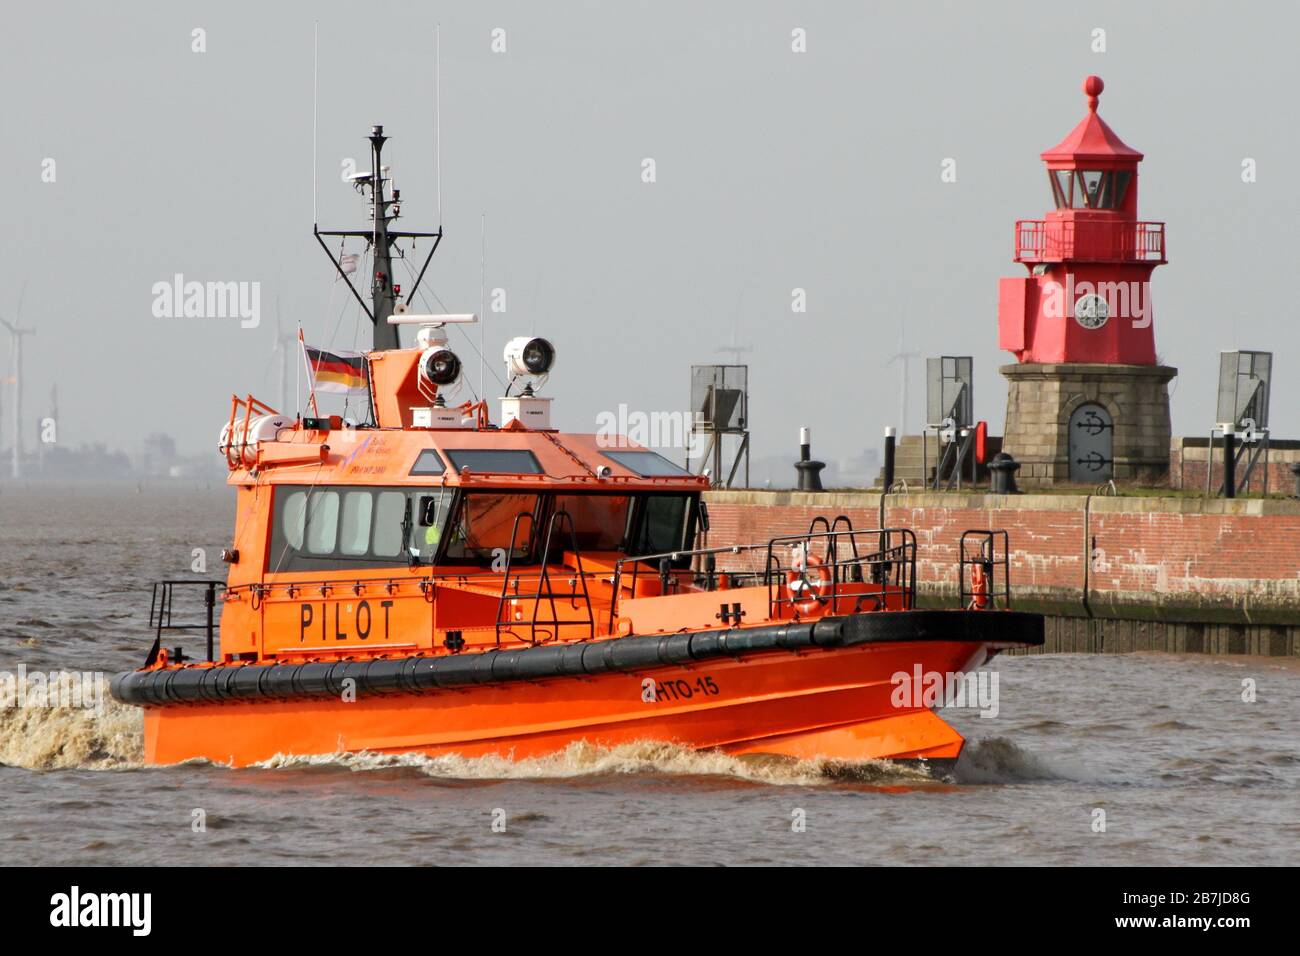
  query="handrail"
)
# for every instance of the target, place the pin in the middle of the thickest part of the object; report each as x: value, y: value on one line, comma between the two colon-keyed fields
x: 987, y: 559
x: 510, y: 554
x: 890, y: 558
x: 237, y: 457
x: 544, y: 592
x: 1121, y: 240
x: 856, y: 567
x: 898, y: 559
x: 160, y: 613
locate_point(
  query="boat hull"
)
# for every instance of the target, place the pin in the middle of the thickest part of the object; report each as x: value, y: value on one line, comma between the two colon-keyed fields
x: 836, y: 701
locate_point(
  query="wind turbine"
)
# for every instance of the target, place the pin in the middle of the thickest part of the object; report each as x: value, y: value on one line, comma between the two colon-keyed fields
x: 903, y: 357
x: 54, y: 417
x: 16, y: 333
x: 280, y: 351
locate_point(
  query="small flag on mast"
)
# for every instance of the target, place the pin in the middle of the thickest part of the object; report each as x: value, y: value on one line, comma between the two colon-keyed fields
x: 337, y: 372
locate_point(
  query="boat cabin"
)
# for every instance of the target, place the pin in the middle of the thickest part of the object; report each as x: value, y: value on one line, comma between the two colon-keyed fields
x: 430, y: 530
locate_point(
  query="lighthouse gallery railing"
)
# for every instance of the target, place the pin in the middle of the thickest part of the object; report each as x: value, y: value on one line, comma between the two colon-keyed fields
x: 1054, y: 240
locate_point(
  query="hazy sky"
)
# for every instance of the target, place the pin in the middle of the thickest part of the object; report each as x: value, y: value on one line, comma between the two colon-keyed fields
x: 775, y: 170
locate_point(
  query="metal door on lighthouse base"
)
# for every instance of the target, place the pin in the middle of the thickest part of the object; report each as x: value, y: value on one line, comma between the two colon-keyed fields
x: 1092, y: 444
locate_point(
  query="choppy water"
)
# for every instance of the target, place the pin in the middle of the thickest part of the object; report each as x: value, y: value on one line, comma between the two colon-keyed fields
x: 1186, y: 772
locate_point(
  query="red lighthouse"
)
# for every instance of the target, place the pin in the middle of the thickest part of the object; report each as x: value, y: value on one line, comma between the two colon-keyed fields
x: 1087, y: 399
x: 1087, y: 298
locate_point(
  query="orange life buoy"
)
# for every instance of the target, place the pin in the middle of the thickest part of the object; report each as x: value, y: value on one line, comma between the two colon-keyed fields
x: 807, y: 579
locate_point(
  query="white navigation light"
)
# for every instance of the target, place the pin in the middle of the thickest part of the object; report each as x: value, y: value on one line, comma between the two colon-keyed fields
x: 440, y: 366
x: 526, y: 355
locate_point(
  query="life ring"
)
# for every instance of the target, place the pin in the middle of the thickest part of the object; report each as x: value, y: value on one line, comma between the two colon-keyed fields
x: 807, y: 579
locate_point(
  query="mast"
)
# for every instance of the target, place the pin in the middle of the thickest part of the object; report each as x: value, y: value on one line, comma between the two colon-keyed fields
x: 382, y: 240
x: 381, y: 293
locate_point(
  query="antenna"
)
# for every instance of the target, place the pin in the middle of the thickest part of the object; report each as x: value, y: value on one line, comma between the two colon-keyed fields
x: 482, y: 300
x: 735, y: 348
x: 297, y: 382
x: 315, y: 74
x: 437, y: 113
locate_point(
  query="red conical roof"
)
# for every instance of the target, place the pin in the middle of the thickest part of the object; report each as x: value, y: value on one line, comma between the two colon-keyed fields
x: 1092, y: 140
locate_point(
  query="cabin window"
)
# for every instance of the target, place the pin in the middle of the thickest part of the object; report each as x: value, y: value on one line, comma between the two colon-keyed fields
x: 495, y: 461
x: 354, y: 530
x: 647, y: 464
x: 335, y: 527
x: 485, y: 523
x: 600, y: 522
x: 390, y: 509
x: 293, y: 518
x: 662, y: 526
x: 322, y: 521
x: 429, y: 514
x: 428, y: 463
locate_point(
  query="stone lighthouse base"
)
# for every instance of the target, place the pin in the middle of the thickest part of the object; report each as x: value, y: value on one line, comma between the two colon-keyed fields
x: 1084, y: 424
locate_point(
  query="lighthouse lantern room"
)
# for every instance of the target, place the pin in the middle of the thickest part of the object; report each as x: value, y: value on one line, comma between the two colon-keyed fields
x: 1087, y: 400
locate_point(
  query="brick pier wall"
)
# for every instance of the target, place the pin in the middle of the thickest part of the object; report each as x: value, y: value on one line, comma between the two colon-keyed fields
x: 1112, y: 573
x: 1187, y: 463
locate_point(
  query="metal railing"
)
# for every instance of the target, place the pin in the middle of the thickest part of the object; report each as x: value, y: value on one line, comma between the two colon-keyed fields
x: 977, y: 570
x: 1054, y: 240
x: 578, y: 595
x: 885, y: 557
x: 160, y: 614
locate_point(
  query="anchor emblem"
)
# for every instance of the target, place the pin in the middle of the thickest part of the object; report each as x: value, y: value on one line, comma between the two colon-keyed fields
x: 1093, y: 461
x: 1092, y: 423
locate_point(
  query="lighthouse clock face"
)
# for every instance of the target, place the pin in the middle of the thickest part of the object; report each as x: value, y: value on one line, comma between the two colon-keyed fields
x: 1091, y: 311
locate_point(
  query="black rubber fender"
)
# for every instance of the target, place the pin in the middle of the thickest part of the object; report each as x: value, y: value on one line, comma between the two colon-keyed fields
x: 189, y: 685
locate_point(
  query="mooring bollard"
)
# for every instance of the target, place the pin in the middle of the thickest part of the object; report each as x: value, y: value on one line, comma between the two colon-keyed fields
x: 810, y: 478
x: 1002, y: 471
x: 889, y: 457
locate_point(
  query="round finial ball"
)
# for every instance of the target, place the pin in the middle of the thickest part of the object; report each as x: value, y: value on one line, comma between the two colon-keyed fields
x: 1093, y: 85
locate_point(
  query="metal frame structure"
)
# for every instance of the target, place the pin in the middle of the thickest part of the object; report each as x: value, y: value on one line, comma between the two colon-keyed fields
x: 160, y: 614
x: 1243, y: 416
x: 708, y: 383
x: 950, y: 406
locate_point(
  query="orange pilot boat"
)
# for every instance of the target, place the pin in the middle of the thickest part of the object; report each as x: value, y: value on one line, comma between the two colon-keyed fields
x: 425, y: 581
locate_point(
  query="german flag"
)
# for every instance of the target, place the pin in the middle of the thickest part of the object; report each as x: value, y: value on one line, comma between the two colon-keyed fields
x: 337, y: 371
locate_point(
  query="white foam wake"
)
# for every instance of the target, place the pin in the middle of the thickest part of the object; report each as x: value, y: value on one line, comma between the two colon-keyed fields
x: 582, y: 759
x: 62, y: 737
